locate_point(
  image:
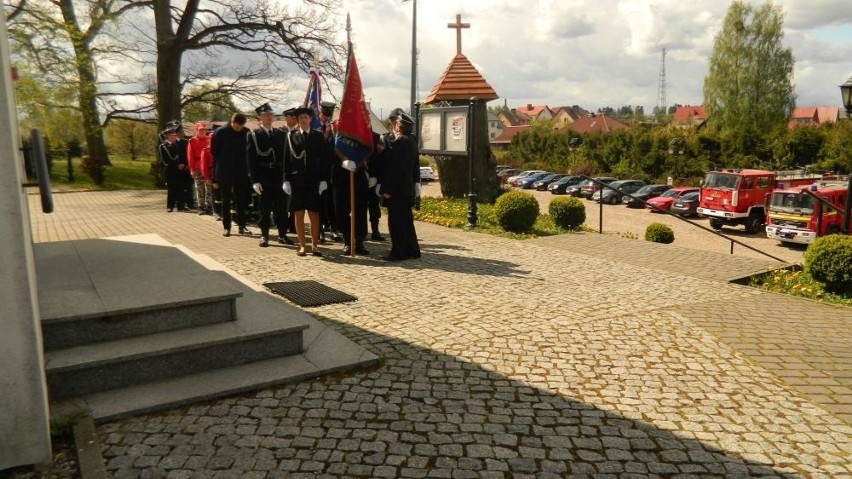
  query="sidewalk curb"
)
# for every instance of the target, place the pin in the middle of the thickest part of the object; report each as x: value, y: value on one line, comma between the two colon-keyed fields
x: 89, y: 459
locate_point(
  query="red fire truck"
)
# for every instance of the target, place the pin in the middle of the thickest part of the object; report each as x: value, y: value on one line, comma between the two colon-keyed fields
x: 794, y: 215
x: 738, y: 197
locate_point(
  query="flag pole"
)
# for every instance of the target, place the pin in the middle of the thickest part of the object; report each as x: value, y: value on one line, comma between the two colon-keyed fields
x: 351, y: 173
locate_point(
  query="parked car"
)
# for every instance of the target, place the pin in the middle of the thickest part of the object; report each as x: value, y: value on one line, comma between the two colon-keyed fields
x: 427, y: 174
x: 513, y: 180
x: 541, y: 185
x: 503, y: 167
x: 664, y: 201
x: 613, y: 197
x: 589, y: 187
x: 527, y: 181
x: 575, y: 190
x: 645, y: 193
x: 686, y: 205
x: 504, y: 175
x: 559, y: 186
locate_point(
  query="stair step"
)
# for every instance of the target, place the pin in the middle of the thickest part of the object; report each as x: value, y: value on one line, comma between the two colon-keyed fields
x: 326, y: 351
x: 264, y: 330
x: 78, y: 316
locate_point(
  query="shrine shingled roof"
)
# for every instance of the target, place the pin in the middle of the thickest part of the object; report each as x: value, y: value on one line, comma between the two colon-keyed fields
x: 461, y: 81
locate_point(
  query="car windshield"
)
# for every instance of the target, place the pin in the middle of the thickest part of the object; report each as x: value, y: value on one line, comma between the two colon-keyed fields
x: 792, y: 203
x: 670, y: 194
x: 689, y: 197
x: 721, y: 180
x: 546, y: 177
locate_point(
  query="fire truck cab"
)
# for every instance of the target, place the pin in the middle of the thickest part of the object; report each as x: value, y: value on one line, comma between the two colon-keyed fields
x: 794, y: 216
x: 736, y: 197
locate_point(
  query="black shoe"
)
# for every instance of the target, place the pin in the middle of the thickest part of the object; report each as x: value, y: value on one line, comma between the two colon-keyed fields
x: 170, y: 210
x: 391, y: 257
x: 316, y: 252
x: 244, y: 231
x: 377, y: 237
x: 285, y: 240
x: 227, y: 233
x: 264, y: 242
x: 336, y: 237
x: 347, y: 250
x: 360, y: 249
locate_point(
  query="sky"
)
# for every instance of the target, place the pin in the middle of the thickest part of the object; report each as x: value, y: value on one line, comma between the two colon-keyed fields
x: 591, y: 53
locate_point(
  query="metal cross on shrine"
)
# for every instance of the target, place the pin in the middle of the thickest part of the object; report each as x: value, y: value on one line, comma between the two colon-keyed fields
x: 458, y: 26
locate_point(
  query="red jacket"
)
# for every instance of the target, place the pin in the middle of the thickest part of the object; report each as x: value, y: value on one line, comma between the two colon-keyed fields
x: 199, y: 157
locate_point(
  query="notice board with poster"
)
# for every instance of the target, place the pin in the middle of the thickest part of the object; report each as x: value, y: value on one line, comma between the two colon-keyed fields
x: 444, y: 131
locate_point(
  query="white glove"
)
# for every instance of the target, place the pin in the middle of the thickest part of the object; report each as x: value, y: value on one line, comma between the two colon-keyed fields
x: 417, y: 190
x: 349, y: 165
x: 322, y: 186
x: 379, y: 190
x: 372, y: 181
x: 257, y: 188
x: 286, y: 187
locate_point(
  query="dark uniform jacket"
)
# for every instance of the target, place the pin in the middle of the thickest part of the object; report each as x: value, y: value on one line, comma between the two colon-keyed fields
x: 308, y: 169
x: 170, y: 156
x: 228, y: 148
x: 402, y: 160
x: 266, y: 156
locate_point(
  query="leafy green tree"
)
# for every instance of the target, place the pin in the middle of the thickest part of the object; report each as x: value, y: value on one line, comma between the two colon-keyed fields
x: 749, y: 90
x: 131, y: 138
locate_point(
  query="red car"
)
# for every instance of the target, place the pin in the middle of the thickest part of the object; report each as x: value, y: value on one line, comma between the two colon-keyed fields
x: 664, y: 201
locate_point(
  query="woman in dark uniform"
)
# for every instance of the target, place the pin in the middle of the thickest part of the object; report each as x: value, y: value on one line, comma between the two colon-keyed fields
x: 398, y: 190
x: 307, y: 162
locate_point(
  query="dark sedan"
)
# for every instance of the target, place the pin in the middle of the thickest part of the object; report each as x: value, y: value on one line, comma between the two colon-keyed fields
x: 559, y: 186
x: 541, y: 185
x: 645, y: 193
x: 527, y: 182
x: 575, y: 190
x: 686, y: 205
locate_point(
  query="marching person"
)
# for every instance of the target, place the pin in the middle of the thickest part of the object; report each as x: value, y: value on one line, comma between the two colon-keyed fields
x: 230, y: 174
x: 306, y: 166
x: 266, y: 168
x: 198, y: 156
x: 171, y: 160
x: 328, y: 206
x: 399, y: 191
x: 188, y: 186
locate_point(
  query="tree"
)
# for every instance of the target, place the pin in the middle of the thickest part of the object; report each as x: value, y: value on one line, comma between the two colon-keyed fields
x: 273, y: 32
x: 209, y: 102
x: 748, y: 90
x: 63, y: 46
x: 131, y: 138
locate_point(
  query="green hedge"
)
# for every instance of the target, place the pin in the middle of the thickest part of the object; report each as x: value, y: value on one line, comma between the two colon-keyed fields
x: 829, y: 261
x: 567, y: 212
x: 659, y: 233
x: 516, y: 211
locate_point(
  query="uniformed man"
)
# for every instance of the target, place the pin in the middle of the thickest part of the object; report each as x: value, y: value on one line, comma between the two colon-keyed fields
x: 230, y: 172
x: 328, y: 213
x: 398, y: 190
x: 374, y: 174
x: 343, y: 203
x: 266, y: 168
x: 174, y: 165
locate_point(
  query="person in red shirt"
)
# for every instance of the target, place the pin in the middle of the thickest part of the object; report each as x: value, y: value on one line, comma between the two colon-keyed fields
x: 200, y: 166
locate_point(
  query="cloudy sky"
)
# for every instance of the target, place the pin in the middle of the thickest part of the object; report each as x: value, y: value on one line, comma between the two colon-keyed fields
x: 592, y: 53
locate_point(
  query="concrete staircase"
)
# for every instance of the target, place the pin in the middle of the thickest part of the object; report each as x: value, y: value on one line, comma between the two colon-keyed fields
x: 131, y: 327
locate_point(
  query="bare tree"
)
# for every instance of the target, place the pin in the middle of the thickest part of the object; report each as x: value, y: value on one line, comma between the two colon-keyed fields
x: 280, y: 35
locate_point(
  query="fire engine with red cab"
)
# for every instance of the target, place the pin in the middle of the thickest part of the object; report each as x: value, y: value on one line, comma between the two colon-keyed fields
x: 738, y: 197
x: 798, y: 216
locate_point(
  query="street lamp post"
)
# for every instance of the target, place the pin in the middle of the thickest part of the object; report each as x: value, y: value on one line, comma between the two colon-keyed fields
x: 846, y: 95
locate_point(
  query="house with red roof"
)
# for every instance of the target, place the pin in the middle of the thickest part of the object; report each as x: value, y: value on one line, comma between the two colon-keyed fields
x: 689, y: 116
x: 594, y: 124
x: 813, y: 116
x: 502, y: 141
x: 565, y: 115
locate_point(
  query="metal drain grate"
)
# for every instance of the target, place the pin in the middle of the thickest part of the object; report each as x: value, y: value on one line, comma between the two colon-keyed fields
x: 309, y: 293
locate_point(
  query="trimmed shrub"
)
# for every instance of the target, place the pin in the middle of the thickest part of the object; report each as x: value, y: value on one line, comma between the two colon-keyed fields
x: 516, y: 211
x: 659, y: 233
x: 829, y: 261
x: 567, y: 212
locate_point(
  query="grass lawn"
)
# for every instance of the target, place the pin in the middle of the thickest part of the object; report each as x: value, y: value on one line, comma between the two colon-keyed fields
x: 453, y: 213
x: 124, y: 174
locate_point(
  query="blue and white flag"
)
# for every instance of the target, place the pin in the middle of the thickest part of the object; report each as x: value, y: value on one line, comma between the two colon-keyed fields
x: 313, y: 98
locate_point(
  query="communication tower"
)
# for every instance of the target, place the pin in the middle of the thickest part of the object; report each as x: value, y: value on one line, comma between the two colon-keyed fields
x: 661, y: 86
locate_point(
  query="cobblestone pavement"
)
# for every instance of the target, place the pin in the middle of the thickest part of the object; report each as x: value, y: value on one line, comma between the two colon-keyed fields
x: 501, y: 359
